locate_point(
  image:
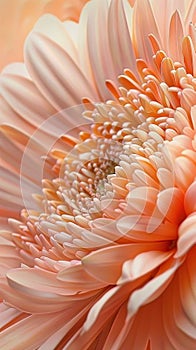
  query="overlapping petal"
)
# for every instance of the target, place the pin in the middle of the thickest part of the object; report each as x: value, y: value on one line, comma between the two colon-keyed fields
x: 21, y: 16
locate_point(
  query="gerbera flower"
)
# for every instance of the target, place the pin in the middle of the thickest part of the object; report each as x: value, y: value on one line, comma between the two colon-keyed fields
x: 107, y: 259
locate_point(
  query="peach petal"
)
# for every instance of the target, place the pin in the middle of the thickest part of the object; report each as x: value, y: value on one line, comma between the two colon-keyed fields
x: 141, y: 200
x: 184, y: 170
x: 20, y: 17
x: 170, y: 203
x: 188, y: 55
x: 142, y: 264
x: 187, y: 98
x: 186, y: 235
x: 35, y: 304
x: 187, y: 287
x: 176, y: 34
x: 144, y: 23
x: 28, y: 331
x: 96, y: 50
x: 102, y: 311
x: 152, y: 289
x: 99, y: 314
x: 77, y: 280
x: 106, y: 228
x: 146, y: 227
x: 8, y: 315
x: 179, y: 328
x: 116, y: 327
x: 73, y: 316
x: 35, y: 281
x: 38, y: 50
x: 189, y: 199
x: 25, y: 99
x: 120, y: 42
x: 8, y: 114
x: 193, y: 116
x: 106, y: 264
x: 50, y: 26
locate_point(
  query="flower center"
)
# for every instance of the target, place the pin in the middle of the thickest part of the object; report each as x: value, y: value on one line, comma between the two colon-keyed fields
x: 85, y: 176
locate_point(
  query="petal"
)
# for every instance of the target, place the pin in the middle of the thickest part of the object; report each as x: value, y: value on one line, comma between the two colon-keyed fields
x: 63, y: 84
x: 20, y: 17
x: 144, y: 23
x: 179, y: 315
x: 77, y: 280
x: 100, y: 314
x: 120, y: 40
x: 147, y: 228
x: 24, y: 98
x: 95, y: 54
x: 170, y: 202
x: 106, y: 264
x: 176, y: 34
x: 74, y: 315
x: 187, y: 281
x: 187, y: 236
x: 116, y: 327
x: 97, y: 318
x: 38, y: 291
x: 142, y: 264
x: 9, y: 316
x: 189, y: 199
x: 33, y: 330
x: 52, y: 27
x: 153, y: 288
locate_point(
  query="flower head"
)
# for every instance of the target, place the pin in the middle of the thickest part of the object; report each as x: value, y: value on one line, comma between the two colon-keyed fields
x: 107, y: 259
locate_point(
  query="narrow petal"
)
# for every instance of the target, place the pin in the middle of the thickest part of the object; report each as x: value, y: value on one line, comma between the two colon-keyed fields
x: 176, y: 34
x: 144, y: 23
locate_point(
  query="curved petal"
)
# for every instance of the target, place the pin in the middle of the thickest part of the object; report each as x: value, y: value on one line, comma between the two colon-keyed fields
x: 77, y: 280
x: 94, y: 54
x: 20, y: 17
x: 25, y: 99
x: 106, y: 264
x: 63, y: 84
x: 31, y: 335
x: 187, y: 236
x: 144, y: 23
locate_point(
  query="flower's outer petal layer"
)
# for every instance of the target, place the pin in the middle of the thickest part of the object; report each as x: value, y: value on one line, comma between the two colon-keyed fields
x: 24, y: 99
x: 25, y: 170
x: 9, y: 257
x: 172, y: 316
x: 106, y: 58
x: 25, y: 335
x: 19, y: 17
x: 144, y: 23
x: 9, y: 316
x: 94, y: 54
x: 38, y: 291
x: 63, y: 84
